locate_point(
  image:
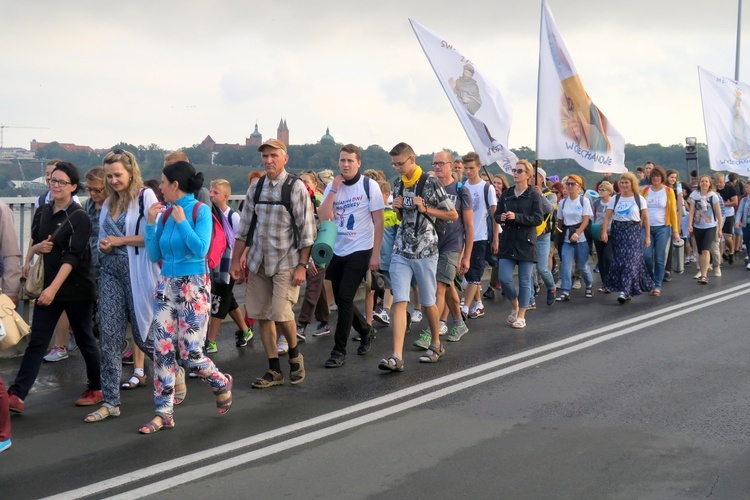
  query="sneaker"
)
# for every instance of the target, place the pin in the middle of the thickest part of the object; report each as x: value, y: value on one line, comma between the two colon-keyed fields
x: 282, y: 346
x: 717, y: 271
x: 242, y: 338
x: 550, y: 297
x: 558, y: 284
x: 623, y: 297
x: 667, y: 276
x: 532, y: 306
x: 57, y: 353
x: 301, y: 337
x: 322, y: 329
x: 477, y: 311
x: 433, y: 354
x: 381, y: 316
x: 731, y: 258
x: 457, y: 331
x: 127, y: 358
x: 15, y: 404
x: 416, y: 316
x: 333, y: 307
x: 425, y: 338
x: 443, y: 328
x: 464, y: 311
x: 589, y: 292
x: 489, y: 294
x: 596, y: 269
x: 577, y: 284
x: 336, y: 360
x: 211, y: 347
x: 90, y: 398
x: 564, y: 297
x: 5, y: 445
x: 72, y: 346
x: 357, y: 337
x: 748, y: 266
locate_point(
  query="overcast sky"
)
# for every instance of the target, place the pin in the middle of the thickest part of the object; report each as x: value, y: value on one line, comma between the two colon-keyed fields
x: 169, y: 73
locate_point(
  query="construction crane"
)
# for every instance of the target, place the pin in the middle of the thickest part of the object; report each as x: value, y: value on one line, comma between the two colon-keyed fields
x: 3, y: 127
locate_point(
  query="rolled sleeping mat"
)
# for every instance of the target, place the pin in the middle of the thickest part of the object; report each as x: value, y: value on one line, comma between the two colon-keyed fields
x: 592, y: 194
x: 322, y: 249
x: 595, y: 230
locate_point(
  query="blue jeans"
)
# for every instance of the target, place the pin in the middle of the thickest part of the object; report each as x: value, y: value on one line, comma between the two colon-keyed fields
x: 543, y: 245
x: 505, y: 273
x: 656, y: 255
x: 579, y: 252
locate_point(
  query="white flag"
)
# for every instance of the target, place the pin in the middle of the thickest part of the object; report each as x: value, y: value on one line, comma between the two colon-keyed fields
x: 569, y: 125
x: 482, y: 110
x: 725, y: 113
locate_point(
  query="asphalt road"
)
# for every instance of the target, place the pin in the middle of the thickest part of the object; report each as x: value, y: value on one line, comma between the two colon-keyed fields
x: 592, y: 400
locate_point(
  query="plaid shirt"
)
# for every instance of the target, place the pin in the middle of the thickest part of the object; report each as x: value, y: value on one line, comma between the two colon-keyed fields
x: 273, y: 241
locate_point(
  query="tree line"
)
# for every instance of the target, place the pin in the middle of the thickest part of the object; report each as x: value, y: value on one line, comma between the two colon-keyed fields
x: 234, y: 165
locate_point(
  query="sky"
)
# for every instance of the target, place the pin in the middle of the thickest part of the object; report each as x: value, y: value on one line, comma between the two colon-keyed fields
x: 170, y: 73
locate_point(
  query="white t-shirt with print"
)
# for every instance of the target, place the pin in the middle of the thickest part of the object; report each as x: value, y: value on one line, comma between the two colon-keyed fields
x: 657, y: 207
x: 352, y: 214
x: 703, y: 215
x: 626, y: 209
x: 571, y: 212
x: 480, y: 207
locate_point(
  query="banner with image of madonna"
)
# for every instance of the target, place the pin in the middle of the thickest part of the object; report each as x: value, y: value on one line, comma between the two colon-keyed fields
x: 569, y: 125
x: 725, y: 114
x: 482, y: 110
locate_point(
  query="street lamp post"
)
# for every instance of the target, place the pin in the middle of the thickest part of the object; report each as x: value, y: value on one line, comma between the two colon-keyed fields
x: 691, y: 154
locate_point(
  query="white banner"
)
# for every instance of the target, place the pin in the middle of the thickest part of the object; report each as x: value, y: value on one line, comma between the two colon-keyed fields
x: 725, y: 113
x: 569, y: 125
x: 482, y: 110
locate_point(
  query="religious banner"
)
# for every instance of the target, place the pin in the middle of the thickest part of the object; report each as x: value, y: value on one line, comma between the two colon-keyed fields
x: 725, y: 116
x: 569, y: 125
x: 482, y: 110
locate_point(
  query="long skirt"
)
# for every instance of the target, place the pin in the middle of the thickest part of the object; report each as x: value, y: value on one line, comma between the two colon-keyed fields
x: 628, y: 273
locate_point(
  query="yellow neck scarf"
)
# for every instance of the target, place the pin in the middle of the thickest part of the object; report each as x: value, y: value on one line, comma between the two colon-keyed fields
x: 408, y: 183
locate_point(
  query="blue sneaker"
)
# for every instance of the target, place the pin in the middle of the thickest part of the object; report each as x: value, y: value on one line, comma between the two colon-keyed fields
x: 5, y: 445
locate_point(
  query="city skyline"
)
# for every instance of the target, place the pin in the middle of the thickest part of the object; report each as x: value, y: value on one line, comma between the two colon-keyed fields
x: 162, y: 73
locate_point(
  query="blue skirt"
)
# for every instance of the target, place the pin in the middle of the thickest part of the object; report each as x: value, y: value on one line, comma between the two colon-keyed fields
x: 628, y: 273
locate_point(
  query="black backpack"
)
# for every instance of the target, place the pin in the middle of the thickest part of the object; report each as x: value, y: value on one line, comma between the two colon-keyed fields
x: 286, y: 201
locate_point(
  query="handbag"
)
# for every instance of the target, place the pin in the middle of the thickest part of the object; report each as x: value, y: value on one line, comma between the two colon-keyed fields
x: 35, y: 282
x: 12, y: 326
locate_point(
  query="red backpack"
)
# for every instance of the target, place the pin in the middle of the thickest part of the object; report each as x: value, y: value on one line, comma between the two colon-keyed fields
x: 218, y: 237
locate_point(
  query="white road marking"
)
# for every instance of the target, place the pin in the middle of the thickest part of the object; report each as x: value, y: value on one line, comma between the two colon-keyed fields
x: 618, y: 329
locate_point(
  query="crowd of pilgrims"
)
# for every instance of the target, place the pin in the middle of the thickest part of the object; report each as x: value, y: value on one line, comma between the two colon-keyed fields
x: 118, y: 270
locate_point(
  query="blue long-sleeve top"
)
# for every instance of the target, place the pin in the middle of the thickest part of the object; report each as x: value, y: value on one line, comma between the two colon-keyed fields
x: 182, y: 247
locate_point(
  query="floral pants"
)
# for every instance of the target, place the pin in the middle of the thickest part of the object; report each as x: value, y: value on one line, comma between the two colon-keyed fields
x: 181, y: 312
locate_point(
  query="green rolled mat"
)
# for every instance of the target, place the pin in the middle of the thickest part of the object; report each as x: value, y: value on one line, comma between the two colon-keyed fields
x: 322, y: 249
x: 595, y: 230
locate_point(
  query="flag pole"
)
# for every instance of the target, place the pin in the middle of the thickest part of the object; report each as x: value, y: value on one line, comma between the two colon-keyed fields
x: 538, y: 76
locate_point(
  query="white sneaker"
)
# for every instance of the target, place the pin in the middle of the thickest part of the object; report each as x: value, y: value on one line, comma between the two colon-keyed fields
x: 577, y: 284
x: 72, y: 346
x: 748, y: 266
x: 477, y: 310
x: 443, y: 328
x: 416, y: 316
x: 697, y: 275
x: 282, y: 346
x: 464, y: 309
x: 717, y: 271
x: 382, y: 317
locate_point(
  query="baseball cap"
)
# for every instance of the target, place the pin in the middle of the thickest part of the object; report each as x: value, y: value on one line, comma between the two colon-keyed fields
x: 273, y: 143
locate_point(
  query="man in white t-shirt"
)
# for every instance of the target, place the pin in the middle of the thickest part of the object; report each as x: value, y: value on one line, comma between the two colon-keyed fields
x: 357, y: 209
x: 484, y: 202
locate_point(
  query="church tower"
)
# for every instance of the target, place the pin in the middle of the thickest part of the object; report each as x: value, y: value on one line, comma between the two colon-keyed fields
x: 255, y: 139
x: 282, y: 133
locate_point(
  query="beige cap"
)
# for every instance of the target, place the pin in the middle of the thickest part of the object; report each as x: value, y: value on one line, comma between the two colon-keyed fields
x: 273, y: 143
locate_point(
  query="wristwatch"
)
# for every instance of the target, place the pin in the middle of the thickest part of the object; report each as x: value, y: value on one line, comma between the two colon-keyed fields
x: 303, y: 264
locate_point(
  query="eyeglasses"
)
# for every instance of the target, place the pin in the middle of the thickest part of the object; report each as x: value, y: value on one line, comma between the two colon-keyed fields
x: 571, y: 184
x: 519, y: 170
x: 440, y: 164
x: 400, y: 164
x: 94, y: 190
x: 59, y: 182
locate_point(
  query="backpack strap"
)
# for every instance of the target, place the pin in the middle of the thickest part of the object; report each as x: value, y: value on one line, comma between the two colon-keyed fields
x: 487, y: 197
x: 140, y: 216
x: 367, y: 187
x: 253, y: 217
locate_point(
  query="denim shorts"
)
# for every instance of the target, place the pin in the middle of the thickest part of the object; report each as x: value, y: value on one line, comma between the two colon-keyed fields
x: 424, y: 270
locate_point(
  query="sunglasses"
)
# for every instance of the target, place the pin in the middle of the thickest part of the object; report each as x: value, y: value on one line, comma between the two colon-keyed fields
x: 519, y: 170
x: 571, y: 184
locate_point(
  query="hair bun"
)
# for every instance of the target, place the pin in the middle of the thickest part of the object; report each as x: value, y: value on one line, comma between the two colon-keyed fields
x: 197, y: 182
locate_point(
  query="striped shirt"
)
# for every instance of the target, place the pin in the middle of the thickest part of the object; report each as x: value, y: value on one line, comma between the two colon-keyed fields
x: 273, y: 241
